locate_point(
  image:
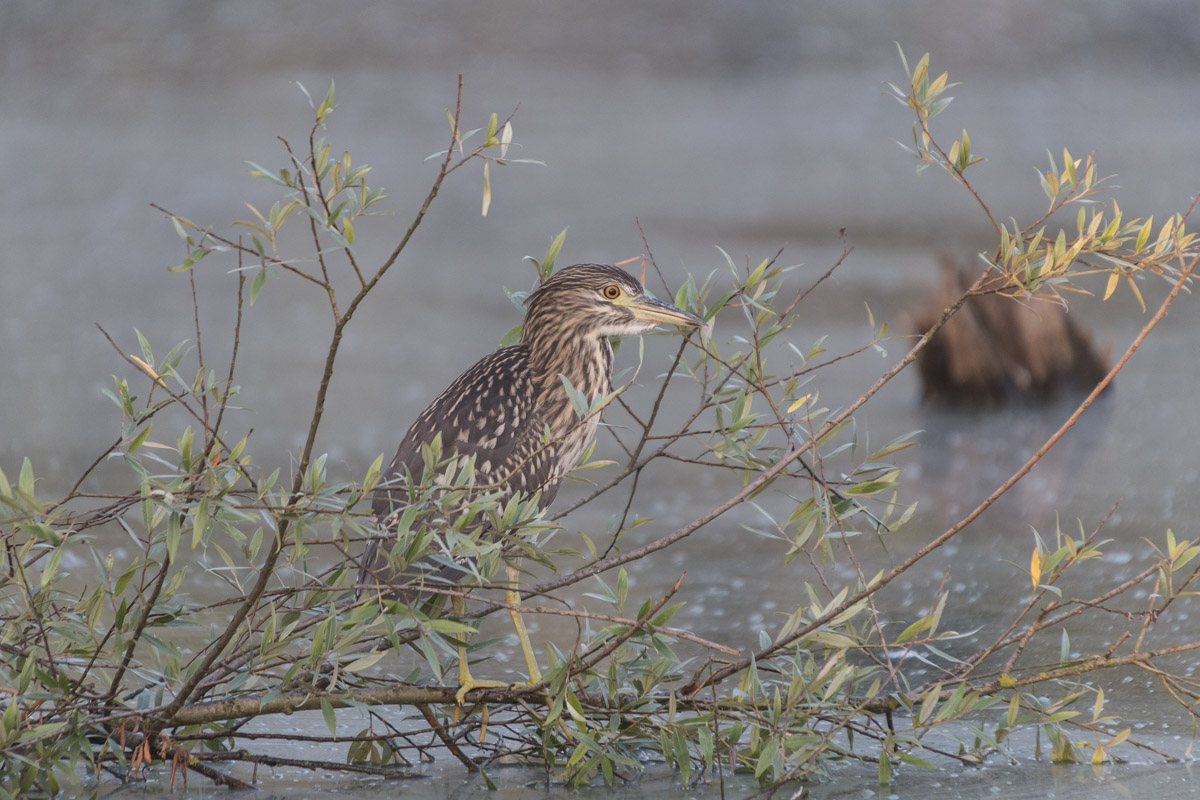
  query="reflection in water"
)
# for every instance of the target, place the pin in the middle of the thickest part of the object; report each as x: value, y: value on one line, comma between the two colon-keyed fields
x: 963, y: 458
x: 966, y: 455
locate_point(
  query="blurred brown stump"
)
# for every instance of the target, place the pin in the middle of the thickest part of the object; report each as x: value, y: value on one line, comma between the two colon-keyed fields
x: 998, y: 350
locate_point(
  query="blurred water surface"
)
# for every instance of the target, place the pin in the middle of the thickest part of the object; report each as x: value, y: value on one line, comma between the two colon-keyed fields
x: 747, y: 125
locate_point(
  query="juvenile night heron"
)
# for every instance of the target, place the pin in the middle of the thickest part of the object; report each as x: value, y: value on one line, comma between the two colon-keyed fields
x: 500, y: 411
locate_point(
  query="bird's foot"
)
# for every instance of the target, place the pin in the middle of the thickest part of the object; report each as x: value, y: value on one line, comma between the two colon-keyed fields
x: 471, y: 684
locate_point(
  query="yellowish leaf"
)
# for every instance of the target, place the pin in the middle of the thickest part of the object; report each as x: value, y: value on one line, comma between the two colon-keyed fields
x: 506, y: 135
x: 799, y: 402
x: 1120, y: 737
x: 487, y: 187
x: 1136, y: 292
x: 1143, y: 234
x: 149, y: 370
x: 1110, y: 287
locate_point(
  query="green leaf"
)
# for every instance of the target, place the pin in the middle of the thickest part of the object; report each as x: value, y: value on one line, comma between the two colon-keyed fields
x: 138, y: 440
x: 374, y: 472
x: 199, y: 521
x: 546, y: 269
x: 144, y: 344
x: 255, y: 543
x: 1144, y: 233
x: 259, y: 171
x: 512, y: 337
x: 174, y: 534
x: 359, y: 664
x: 929, y: 703
x: 449, y: 626
x: 25, y: 479
x: 256, y: 285
x: 684, y: 762
x: 193, y: 258
x: 964, y: 152
x: 179, y: 229
x: 330, y: 715
x: 885, y: 769
x: 51, y: 567
x: 757, y: 274
x: 664, y: 616
x: 868, y: 487
x: 326, y: 107
x: 575, y: 708
x: 767, y: 757
x: 897, y: 444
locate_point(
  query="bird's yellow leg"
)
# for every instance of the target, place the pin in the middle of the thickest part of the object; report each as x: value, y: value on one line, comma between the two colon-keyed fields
x: 465, y: 682
x: 514, y: 599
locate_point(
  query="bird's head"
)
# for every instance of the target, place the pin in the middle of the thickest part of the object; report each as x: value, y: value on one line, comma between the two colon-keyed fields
x: 597, y: 300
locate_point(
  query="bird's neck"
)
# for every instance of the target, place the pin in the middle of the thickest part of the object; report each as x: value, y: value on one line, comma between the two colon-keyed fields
x: 586, y: 363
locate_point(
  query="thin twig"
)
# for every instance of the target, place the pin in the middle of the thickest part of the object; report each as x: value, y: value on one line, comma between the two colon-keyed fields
x: 697, y: 682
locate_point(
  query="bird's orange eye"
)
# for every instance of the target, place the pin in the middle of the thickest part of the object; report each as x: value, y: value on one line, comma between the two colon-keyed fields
x: 612, y: 291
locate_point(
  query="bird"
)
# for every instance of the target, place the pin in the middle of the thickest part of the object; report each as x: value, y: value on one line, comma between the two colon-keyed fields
x: 512, y: 418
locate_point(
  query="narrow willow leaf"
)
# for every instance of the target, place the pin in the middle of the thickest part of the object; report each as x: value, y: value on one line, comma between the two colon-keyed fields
x: 1014, y: 708
x: 1113, y: 279
x: 1120, y: 737
x: 798, y: 402
x: 359, y: 664
x: 547, y: 265
x: 25, y: 478
x: 929, y: 703
x: 506, y: 135
x: 512, y: 337
x: 199, y: 522
x: 192, y: 259
x: 1144, y: 233
x: 138, y: 440
x: 1136, y: 292
x: 330, y: 716
x: 487, y: 187
x: 324, y: 109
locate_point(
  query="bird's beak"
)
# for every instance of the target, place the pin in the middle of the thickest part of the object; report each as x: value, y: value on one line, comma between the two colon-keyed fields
x: 651, y: 310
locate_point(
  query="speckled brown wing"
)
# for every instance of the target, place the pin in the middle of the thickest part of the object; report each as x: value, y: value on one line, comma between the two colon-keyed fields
x: 490, y: 412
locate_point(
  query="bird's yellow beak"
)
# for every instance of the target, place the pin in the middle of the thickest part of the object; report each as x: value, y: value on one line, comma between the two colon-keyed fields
x: 651, y: 310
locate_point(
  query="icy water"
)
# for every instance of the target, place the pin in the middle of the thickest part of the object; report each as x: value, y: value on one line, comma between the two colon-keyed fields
x: 744, y: 125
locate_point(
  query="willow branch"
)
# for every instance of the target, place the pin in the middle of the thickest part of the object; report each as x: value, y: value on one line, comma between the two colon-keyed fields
x: 697, y: 682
